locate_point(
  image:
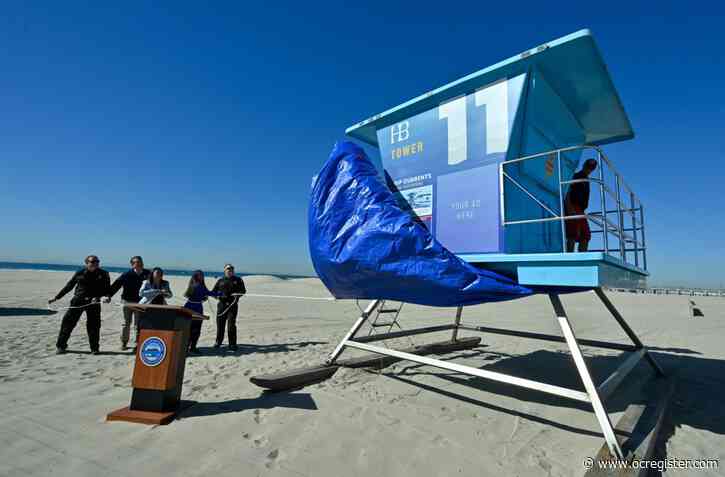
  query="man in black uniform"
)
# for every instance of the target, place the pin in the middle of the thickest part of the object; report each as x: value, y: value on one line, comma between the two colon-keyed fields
x: 228, y: 286
x: 131, y: 282
x: 91, y: 283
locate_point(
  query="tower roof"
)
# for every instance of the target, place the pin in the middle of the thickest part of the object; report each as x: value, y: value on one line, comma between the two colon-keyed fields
x: 572, y: 65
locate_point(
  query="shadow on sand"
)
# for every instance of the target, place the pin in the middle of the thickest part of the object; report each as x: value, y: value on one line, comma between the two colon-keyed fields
x: 208, y: 351
x: 696, y: 402
x: 18, y: 311
x: 266, y: 400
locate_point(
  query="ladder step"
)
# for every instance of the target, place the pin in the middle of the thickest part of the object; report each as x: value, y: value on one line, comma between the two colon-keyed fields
x: 376, y: 325
x: 388, y: 311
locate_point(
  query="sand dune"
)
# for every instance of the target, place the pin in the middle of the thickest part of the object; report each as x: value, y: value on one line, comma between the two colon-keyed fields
x: 407, y: 420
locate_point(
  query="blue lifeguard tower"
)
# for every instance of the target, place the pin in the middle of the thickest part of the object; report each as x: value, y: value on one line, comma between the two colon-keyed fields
x: 485, y: 163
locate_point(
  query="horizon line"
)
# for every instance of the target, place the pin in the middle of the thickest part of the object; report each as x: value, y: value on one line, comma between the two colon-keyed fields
x: 166, y: 269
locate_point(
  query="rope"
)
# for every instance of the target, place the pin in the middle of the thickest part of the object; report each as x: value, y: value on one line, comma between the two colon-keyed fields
x: 236, y: 300
x: 92, y: 303
x: 84, y: 306
x: 292, y: 297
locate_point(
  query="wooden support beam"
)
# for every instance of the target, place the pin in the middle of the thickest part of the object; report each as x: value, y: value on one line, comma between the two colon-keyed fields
x: 300, y: 377
x: 637, y: 431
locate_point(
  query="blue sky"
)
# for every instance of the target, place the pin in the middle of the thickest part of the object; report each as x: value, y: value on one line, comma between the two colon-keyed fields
x: 188, y: 133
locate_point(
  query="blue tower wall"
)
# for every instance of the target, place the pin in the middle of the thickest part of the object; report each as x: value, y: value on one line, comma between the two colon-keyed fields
x: 444, y: 164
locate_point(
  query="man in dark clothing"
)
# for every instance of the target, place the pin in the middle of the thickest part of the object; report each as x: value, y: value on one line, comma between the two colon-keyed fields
x: 576, y: 203
x: 228, y: 286
x: 91, y: 283
x: 131, y: 282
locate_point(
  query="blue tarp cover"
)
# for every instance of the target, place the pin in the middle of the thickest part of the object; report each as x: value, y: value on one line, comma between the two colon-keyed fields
x: 364, y: 245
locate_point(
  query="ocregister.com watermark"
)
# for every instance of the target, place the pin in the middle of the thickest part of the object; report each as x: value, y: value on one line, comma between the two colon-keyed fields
x: 659, y: 464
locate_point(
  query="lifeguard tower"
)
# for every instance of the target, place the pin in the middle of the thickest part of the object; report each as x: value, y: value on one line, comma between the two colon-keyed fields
x: 485, y: 163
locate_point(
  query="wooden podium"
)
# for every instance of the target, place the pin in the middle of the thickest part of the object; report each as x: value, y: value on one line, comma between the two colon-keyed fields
x: 158, y: 373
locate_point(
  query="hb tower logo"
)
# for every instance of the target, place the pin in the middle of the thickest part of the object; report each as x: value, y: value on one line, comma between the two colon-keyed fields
x: 399, y: 132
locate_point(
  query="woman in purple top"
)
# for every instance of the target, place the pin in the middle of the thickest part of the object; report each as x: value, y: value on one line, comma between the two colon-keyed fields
x: 196, y: 294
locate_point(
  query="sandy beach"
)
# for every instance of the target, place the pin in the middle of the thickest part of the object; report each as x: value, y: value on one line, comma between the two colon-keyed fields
x: 407, y: 420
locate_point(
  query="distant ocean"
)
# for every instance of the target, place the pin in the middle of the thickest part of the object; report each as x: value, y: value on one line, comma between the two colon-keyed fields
x: 167, y: 271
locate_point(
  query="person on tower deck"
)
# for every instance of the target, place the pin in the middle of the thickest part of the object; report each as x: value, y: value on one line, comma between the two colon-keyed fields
x: 576, y: 203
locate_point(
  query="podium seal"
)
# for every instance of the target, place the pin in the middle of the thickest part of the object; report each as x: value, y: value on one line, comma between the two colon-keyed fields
x: 153, y: 351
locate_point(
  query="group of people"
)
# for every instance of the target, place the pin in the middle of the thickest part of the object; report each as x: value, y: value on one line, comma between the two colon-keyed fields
x: 92, y: 284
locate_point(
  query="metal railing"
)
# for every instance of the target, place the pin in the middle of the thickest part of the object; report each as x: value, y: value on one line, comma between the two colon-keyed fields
x: 630, y: 237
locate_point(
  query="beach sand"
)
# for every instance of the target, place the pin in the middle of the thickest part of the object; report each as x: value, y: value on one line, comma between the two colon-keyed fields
x: 407, y: 420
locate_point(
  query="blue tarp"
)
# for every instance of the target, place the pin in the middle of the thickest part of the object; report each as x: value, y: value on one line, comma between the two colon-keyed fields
x: 364, y: 245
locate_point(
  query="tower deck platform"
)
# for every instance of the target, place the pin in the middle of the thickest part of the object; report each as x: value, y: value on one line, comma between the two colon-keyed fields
x: 581, y: 270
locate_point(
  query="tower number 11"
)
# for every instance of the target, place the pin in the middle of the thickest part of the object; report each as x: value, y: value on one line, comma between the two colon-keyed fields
x: 495, y: 98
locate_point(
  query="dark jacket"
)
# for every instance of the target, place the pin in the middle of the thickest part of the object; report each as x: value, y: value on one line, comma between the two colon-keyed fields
x: 87, y: 284
x: 131, y: 283
x: 579, y: 192
x: 228, y: 286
